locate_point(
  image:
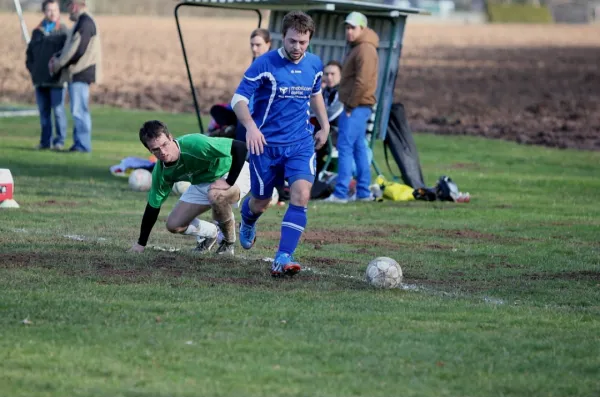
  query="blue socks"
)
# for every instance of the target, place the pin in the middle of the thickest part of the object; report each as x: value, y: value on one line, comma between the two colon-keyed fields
x: 248, y: 216
x: 292, y: 226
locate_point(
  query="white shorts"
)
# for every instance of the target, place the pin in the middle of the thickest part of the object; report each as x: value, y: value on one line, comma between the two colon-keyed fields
x: 198, y: 194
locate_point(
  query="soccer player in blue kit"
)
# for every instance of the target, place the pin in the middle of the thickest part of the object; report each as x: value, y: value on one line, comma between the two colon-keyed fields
x: 286, y: 84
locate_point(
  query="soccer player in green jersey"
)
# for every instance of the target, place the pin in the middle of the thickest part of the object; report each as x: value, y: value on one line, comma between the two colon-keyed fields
x: 220, y: 178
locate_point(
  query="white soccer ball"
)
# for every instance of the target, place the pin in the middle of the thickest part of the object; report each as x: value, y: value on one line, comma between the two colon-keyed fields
x: 180, y: 187
x: 384, y: 272
x: 140, y: 180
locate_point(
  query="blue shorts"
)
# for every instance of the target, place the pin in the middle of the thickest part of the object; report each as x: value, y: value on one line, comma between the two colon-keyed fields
x: 278, y: 163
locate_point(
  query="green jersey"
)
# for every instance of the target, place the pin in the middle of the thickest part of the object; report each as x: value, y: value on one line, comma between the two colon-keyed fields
x: 202, y: 159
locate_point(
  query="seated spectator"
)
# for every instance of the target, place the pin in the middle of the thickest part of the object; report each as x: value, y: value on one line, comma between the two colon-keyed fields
x: 332, y: 74
x: 223, y: 121
x: 331, y: 79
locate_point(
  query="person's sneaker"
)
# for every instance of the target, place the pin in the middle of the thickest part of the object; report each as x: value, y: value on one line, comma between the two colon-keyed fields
x: 226, y: 248
x: 334, y: 199
x: 368, y: 198
x: 247, y: 235
x: 283, y: 265
x: 205, y: 245
x: 75, y: 149
x: 58, y: 147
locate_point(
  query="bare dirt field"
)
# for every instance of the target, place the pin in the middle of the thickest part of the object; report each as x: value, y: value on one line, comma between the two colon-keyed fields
x: 530, y: 84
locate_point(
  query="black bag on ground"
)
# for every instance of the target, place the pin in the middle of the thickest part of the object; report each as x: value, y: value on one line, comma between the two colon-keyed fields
x: 320, y: 190
x: 400, y: 142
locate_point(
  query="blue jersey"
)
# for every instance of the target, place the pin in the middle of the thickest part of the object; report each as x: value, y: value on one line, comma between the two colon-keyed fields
x: 282, y: 91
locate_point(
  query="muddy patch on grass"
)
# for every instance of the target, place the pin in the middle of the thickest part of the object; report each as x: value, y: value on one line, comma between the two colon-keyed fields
x: 442, y: 247
x: 457, y: 281
x: 369, y: 239
x: 465, y: 166
x: 320, y: 238
x: 503, y: 265
x: 261, y: 281
x: 581, y: 275
x: 170, y: 262
x: 213, y: 281
x: 467, y: 233
x: 104, y: 268
x: 55, y: 203
x: 370, y: 246
x: 17, y: 260
x: 322, y: 261
x: 379, y: 236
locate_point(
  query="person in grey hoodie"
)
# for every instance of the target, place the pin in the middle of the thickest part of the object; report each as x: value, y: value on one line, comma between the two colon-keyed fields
x: 47, y: 39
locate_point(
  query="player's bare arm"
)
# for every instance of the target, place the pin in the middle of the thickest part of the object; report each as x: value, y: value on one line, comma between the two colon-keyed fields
x: 317, y: 105
x: 255, y: 140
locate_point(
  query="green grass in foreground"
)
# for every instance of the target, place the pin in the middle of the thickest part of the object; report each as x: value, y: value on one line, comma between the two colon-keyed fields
x: 501, y: 295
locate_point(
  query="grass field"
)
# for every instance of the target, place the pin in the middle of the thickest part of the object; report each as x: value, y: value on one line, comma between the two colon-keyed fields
x: 501, y: 296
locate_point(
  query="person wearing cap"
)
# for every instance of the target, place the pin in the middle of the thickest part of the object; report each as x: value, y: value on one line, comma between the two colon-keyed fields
x: 357, y: 93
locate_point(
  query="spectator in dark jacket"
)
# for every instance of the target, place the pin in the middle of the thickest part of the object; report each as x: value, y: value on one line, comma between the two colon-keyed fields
x: 79, y: 62
x: 331, y: 81
x: 332, y: 74
x: 47, y: 39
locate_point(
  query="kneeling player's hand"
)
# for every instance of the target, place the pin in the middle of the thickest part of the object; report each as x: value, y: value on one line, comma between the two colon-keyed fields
x: 321, y: 138
x: 137, y: 248
x: 219, y: 184
x: 255, y: 141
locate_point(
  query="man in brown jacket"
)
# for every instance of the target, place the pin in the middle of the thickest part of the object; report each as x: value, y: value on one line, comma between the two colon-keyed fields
x: 357, y: 93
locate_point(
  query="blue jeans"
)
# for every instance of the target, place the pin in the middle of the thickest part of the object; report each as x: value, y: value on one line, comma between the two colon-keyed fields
x: 352, y: 148
x: 82, y: 122
x: 51, y: 99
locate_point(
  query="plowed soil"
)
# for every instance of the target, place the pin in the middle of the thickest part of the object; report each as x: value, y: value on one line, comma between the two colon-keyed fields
x: 530, y: 84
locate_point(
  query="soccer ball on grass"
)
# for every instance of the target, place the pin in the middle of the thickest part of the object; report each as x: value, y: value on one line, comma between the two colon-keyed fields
x: 140, y: 180
x: 384, y: 272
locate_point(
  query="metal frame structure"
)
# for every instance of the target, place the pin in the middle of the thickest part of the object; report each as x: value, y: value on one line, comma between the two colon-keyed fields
x: 329, y: 42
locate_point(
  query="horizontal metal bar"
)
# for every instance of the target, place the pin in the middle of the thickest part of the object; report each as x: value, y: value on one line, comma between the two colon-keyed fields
x: 327, y: 5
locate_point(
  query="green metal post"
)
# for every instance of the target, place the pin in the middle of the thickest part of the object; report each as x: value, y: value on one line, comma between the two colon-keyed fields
x: 377, y: 127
